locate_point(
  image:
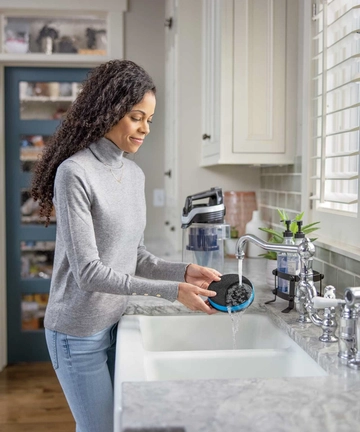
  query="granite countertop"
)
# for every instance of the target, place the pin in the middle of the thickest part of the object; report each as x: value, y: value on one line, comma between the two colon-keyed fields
x: 328, y: 403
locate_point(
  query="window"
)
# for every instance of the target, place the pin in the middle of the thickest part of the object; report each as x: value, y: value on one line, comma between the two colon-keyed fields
x: 335, y: 106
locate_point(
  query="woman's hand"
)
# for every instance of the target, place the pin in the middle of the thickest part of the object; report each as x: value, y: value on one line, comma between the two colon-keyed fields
x: 201, y: 276
x: 189, y: 296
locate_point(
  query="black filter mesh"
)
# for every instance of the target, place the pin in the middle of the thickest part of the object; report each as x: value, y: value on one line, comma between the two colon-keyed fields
x: 238, y: 294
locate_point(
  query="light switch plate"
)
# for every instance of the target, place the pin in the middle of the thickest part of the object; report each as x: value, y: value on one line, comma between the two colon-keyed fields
x: 159, y: 198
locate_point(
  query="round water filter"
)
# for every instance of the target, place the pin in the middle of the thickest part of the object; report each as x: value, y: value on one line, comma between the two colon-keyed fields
x: 231, y: 295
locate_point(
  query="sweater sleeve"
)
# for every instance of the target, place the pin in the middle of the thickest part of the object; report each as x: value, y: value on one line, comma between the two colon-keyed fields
x: 72, y: 197
x: 152, y: 267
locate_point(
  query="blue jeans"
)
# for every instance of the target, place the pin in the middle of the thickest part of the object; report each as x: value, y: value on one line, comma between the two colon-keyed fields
x: 85, y: 368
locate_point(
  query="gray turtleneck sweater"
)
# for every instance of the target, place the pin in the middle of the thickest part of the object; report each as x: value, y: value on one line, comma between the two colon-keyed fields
x: 100, y: 209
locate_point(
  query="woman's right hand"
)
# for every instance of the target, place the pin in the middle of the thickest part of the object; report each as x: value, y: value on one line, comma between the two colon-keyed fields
x: 189, y: 296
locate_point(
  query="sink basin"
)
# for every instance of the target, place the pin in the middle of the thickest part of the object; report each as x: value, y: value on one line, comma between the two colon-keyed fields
x: 203, y: 332
x: 272, y: 363
x: 202, y: 347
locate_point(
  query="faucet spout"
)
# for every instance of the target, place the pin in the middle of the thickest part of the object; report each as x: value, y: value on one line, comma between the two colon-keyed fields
x: 276, y: 247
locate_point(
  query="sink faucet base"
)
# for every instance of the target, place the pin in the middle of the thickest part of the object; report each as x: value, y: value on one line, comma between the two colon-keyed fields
x: 329, y: 338
x: 304, y: 319
x: 354, y: 364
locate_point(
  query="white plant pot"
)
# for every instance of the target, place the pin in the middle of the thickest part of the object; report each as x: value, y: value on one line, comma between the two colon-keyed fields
x: 230, y: 245
x: 270, y: 278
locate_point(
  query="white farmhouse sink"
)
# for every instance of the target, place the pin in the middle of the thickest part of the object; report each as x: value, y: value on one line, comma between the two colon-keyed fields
x: 201, y: 347
x: 203, y: 332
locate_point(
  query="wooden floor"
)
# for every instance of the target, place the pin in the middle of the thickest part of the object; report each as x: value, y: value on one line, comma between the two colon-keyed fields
x: 31, y: 400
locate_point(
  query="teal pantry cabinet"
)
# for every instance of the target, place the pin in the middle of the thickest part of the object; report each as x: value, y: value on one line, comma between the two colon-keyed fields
x: 35, y: 101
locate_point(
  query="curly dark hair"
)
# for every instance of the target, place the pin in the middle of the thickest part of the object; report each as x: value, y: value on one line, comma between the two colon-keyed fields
x: 109, y: 92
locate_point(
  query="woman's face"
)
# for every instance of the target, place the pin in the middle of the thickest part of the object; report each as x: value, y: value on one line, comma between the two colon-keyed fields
x: 131, y: 130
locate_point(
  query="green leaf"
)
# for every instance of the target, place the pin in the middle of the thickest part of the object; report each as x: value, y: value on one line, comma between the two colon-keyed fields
x: 306, y: 227
x: 278, y: 237
x: 293, y: 227
x: 283, y: 215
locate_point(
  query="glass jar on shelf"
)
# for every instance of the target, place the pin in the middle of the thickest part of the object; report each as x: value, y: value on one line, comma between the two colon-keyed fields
x: 57, y: 33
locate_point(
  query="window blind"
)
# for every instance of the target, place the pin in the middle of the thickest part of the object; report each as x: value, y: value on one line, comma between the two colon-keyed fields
x: 336, y: 104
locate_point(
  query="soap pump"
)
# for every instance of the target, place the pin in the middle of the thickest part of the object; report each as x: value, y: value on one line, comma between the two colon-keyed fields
x: 299, y: 235
x: 293, y: 259
x: 282, y: 258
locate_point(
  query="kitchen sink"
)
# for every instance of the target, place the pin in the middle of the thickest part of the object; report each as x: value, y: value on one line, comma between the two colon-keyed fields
x: 200, y: 346
x: 203, y: 332
x: 271, y: 363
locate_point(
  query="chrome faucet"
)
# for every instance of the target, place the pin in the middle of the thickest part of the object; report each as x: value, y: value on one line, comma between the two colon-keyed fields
x: 349, y: 328
x: 305, y: 292
x: 349, y: 344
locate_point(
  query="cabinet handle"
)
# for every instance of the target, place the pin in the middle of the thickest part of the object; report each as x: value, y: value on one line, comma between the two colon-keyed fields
x: 167, y: 223
x: 169, y: 23
x: 168, y: 173
x: 172, y: 228
x: 206, y: 136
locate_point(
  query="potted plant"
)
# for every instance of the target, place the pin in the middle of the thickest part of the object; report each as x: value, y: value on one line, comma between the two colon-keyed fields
x: 277, y: 237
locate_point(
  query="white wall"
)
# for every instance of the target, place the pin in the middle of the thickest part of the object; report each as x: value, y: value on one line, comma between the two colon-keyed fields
x: 145, y: 45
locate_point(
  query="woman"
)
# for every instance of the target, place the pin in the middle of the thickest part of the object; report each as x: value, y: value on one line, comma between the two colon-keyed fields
x: 100, y: 208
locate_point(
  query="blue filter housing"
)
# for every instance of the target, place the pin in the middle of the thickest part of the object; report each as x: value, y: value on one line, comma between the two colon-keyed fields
x: 229, y: 294
x: 203, y: 241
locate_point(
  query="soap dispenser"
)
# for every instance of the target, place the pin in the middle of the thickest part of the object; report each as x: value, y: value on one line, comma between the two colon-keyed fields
x: 299, y: 237
x: 282, y: 259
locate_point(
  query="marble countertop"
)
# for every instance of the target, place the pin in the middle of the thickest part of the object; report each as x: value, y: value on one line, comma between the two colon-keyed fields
x: 329, y: 403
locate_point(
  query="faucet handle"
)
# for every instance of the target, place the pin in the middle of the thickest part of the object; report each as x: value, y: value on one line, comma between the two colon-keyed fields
x: 329, y: 292
x: 352, y: 296
x: 322, y: 302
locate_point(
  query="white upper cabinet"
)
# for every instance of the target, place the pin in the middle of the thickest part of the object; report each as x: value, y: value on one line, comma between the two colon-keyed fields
x: 249, y: 81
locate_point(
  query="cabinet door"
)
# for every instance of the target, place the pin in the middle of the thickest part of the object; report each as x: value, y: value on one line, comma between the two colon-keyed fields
x: 217, y: 78
x: 259, y: 76
x: 211, y: 67
x: 249, y: 81
x: 35, y: 100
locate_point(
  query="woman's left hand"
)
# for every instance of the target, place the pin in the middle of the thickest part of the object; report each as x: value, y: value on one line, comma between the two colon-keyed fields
x: 201, y: 276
